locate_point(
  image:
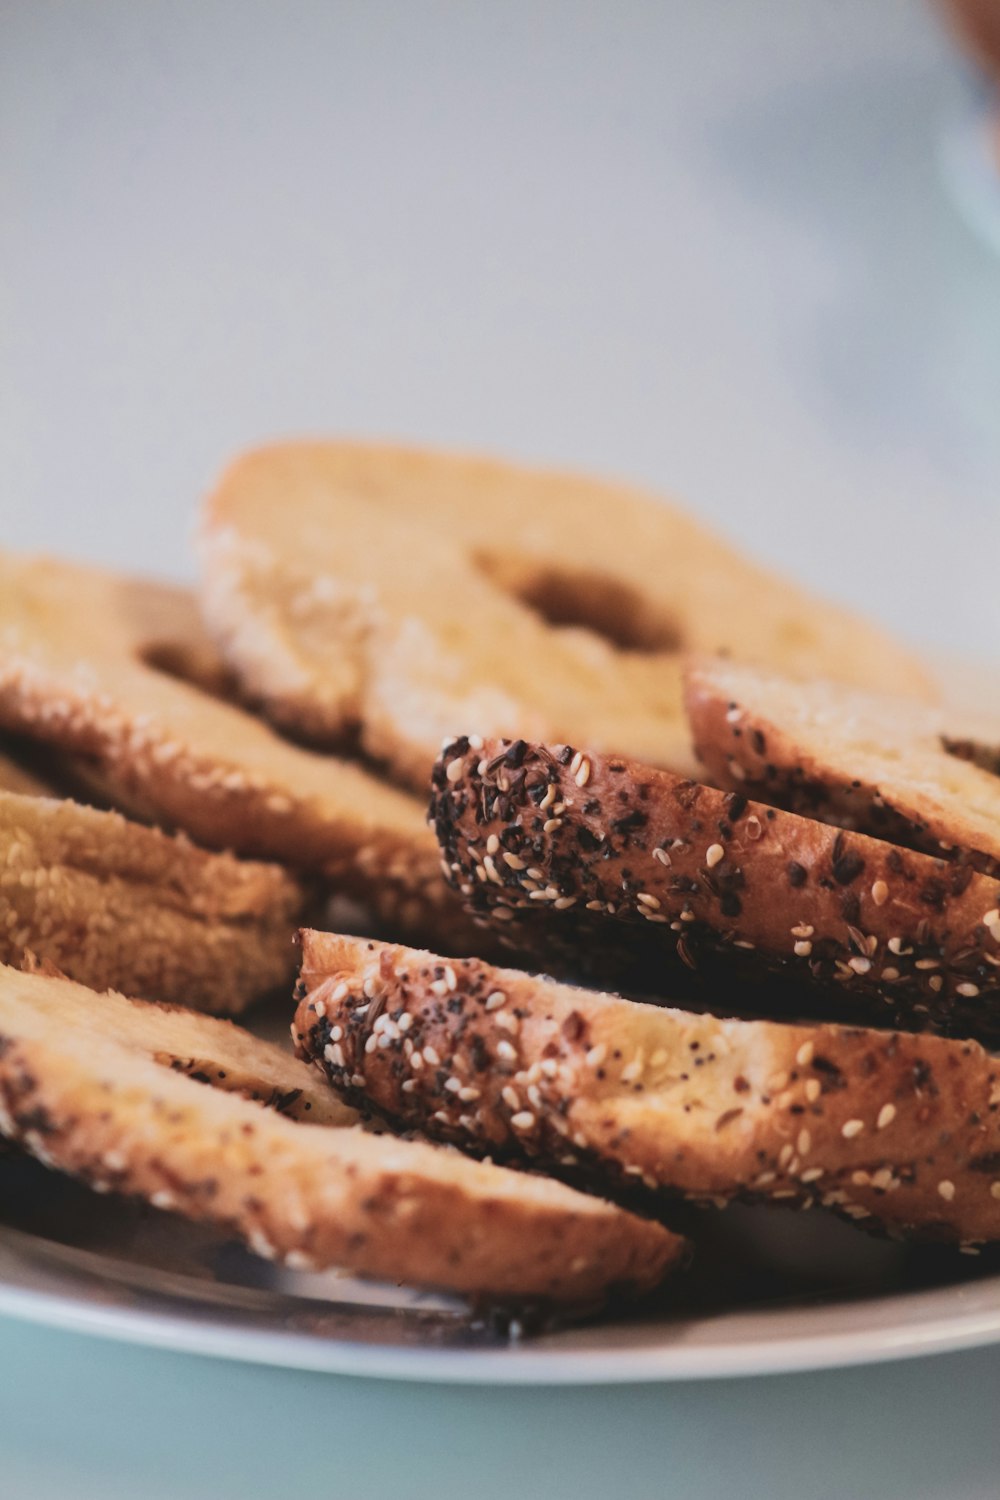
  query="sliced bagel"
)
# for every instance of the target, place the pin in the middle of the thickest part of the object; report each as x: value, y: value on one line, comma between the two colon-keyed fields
x: 87, y: 1103
x: 901, y: 1129
x: 204, y: 1048
x: 116, y: 673
x: 404, y: 595
x: 543, y: 835
x: 116, y: 905
x: 889, y: 766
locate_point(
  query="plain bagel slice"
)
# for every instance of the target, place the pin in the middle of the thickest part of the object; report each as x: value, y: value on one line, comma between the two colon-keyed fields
x: 539, y: 836
x: 889, y: 766
x: 87, y: 1102
x: 900, y: 1129
x: 405, y: 594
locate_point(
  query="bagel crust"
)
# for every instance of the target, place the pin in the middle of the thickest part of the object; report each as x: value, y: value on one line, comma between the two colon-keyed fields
x: 404, y: 595
x: 902, y: 1130
x: 872, y: 930
x: 117, y: 675
x: 82, y: 1101
x: 891, y: 767
x: 116, y: 905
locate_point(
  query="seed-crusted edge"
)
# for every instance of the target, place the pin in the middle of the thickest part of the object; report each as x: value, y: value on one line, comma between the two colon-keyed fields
x: 912, y: 776
x: 116, y: 673
x: 899, y: 1130
x: 530, y: 830
x: 308, y: 1195
x: 116, y: 905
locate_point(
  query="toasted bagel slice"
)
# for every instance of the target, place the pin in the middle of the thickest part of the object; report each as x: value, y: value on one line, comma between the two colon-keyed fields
x: 901, y: 1129
x: 116, y: 905
x: 87, y: 1102
x: 116, y: 673
x: 534, y: 836
x: 889, y: 766
x: 205, y: 1048
x: 405, y: 595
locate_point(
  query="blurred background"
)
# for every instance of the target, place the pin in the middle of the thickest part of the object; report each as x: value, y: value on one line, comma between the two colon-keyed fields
x: 705, y: 246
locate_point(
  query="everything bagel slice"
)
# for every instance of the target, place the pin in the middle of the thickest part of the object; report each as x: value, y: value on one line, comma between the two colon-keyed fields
x: 87, y: 1102
x: 405, y: 595
x: 892, y: 767
x: 900, y: 1129
x: 543, y: 836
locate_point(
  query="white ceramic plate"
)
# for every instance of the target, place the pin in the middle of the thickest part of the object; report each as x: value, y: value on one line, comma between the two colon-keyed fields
x: 771, y: 1290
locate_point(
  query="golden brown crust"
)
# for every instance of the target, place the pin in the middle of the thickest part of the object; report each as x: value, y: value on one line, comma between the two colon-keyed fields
x: 115, y: 905
x: 901, y: 1129
x: 892, y: 934
x: 408, y: 594
x: 310, y: 1195
x: 922, y: 777
x: 95, y: 664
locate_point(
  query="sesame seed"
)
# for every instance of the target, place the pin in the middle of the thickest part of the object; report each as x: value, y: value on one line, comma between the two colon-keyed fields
x: 548, y: 799
x: 523, y: 1120
x: 859, y: 965
x: 886, y: 1115
x: 492, y: 844
x: 648, y: 900
x: 861, y: 1178
x: 967, y: 989
x: 803, y: 948
x: 804, y: 1143
x: 563, y: 903
x: 785, y: 1154
x: 583, y: 774
x: 341, y: 992
x: 991, y: 917
x: 468, y: 1093
x: 813, y: 1089
x: 713, y: 854
x: 852, y: 1128
x: 896, y: 946
x: 661, y: 855
x: 927, y: 963
x: 946, y: 1190
x: 596, y: 1055
x: 551, y: 824
x: 812, y: 1175
x: 880, y: 892
x: 514, y: 862
x: 495, y: 999
x: 431, y: 1056
x: 506, y: 1051
x: 416, y: 1061
x: 889, y: 974
x: 453, y: 1085
x: 409, y: 1086
x: 576, y: 763
x: 454, y: 770
x: 804, y: 1056
x: 803, y: 930
x: 935, y: 982
x: 405, y: 1021
x: 510, y: 1097
x: 995, y: 1189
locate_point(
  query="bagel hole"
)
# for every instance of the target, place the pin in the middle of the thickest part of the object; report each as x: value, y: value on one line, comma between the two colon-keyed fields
x: 985, y: 757
x: 583, y: 598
